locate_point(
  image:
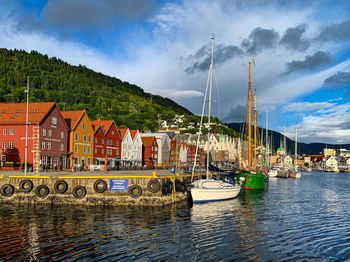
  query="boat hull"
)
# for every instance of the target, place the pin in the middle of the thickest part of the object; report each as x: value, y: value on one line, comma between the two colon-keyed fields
x: 201, y: 195
x: 206, y: 190
x: 253, y: 180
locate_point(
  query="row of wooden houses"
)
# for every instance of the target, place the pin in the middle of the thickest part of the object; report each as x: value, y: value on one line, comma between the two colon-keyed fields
x: 64, y: 139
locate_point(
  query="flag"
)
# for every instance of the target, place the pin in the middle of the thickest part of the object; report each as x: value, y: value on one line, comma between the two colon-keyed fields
x: 253, y: 60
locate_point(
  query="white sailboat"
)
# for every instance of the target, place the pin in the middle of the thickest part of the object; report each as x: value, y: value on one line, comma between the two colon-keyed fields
x: 296, y: 173
x: 208, y: 189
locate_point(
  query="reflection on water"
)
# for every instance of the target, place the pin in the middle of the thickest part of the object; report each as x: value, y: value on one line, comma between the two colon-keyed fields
x: 295, y: 219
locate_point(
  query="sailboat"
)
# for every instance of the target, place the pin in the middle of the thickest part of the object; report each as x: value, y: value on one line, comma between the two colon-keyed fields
x: 209, y: 189
x: 295, y: 173
x: 251, y: 179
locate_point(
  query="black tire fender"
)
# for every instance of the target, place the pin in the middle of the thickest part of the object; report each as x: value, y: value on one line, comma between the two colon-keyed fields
x: 135, y: 191
x: 7, y: 190
x: 97, y: 188
x: 61, y: 187
x: 25, y: 185
x: 153, y: 186
x: 78, y: 189
x: 165, y: 188
x: 42, y: 191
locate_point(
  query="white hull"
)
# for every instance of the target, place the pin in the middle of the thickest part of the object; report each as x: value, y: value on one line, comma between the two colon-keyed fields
x: 213, y: 190
x: 273, y: 173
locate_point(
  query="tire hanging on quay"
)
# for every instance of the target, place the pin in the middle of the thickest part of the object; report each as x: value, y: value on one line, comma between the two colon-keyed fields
x: 135, y: 191
x: 61, y: 187
x: 42, y: 191
x: 79, y: 192
x: 26, y: 185
x: 100, y: 186
x: 7, y: 190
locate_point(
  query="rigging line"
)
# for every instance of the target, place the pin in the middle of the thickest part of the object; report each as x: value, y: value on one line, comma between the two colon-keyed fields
x: 200, y: 126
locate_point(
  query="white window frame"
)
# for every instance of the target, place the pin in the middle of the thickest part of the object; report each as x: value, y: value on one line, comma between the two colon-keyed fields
x: 62, y: 134
x: 43, y: 145
x: 48, y: 146
x: 61, y: 147
x: 5, y: 132
x: 4, y: 145
x: 54, y: 120
x: 49, y: 133
x: 11, y: 145
x: 12, y: 131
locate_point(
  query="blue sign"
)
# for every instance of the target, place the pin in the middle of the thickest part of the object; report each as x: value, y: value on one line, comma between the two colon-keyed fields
x: 118, y: 185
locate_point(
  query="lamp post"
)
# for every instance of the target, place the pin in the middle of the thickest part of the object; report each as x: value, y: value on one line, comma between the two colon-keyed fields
x: 26, y: 147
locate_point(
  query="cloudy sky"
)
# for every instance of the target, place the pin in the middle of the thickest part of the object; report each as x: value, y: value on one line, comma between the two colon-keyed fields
x: 302, y: 71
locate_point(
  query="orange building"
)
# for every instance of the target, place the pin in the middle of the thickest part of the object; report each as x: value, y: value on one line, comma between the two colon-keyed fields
x: 81, y: 138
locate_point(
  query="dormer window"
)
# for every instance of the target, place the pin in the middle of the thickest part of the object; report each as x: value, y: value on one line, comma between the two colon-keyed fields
x: 3, y: 111
x: 13, y: 117
x: 19, y: 111
x: 35, y: 110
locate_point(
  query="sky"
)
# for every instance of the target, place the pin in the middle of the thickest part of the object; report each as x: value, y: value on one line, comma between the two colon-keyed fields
x: 301, y: 50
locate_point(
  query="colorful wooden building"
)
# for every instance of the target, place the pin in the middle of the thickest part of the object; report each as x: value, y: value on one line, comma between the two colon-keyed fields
x: 107, y: 142
x: 47, y: 134
x: 81, y: 138
x: 149, y: 152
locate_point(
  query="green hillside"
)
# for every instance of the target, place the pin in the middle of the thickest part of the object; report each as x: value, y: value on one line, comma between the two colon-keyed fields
x: 77, y: 87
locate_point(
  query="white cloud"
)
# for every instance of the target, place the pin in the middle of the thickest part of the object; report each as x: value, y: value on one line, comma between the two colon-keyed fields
x: 306, y: 106
x: 183, y: 94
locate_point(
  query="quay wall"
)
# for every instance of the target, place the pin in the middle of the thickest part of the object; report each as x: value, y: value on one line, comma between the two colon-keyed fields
x: 53, y: 194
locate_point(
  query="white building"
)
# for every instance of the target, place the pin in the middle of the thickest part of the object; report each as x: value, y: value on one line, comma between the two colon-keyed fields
x: 288, y: 161
x: 331, y: 162
x: 126, y: 145
x: 136, y: 150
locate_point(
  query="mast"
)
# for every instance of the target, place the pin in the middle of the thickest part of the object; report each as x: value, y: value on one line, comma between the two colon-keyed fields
x: 255, y: 128
x: 296, y: 138
x: 249, y: 117
x: 209, y: 101
x: 267, y: 134
x: 26, y: 146
x: 284, y: 137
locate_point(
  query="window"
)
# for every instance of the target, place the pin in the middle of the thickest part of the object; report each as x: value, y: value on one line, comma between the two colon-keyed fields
x: 54, y: 120
x: 5, y: 132
x: 84, y: 149
x: 42, y: 144
x: 88, y: 161
x: 117, y: 151
x: 95, y: 150
x: 96, y: 140
x: 83, y: 126
x: 62, y: 134
x: 102, y: 151
x: 61, y: 147
x: 48, y: 145
x: 102, y: 141
x: 12, y: 131
x: 89, y: 138
x: 112, y: 132
x: 4, y: 145
x: 89, y: 150
x: 76, y: 161
x: 117, y: 142
x: 3, y: 111
x: 76, y: 137
x: 84, y: 138
x: 11, y: 145
x: 43, y: 131
x: 18, y: 111
x: 107, y: 142
x: 49, y: 132
x: 75, y: 149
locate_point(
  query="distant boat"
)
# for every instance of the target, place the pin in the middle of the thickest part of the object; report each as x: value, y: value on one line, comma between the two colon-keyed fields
x: 205, y: 190
x: 273, y: 172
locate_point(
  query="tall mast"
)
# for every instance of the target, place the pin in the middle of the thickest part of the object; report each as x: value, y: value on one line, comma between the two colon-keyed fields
x: 284, y: 137
x: 249, y: 118
x: 255, y: 128
x: 296, y: 138
x: 267, y: 134
x: 209, y: 101
x: 26, y: 146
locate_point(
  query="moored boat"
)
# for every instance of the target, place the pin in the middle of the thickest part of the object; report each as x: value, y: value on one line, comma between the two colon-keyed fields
x: 272, y: 173
x: 252, y: 180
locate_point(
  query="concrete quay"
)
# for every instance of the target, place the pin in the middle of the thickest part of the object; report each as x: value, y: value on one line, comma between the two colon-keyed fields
x: 130, y: 188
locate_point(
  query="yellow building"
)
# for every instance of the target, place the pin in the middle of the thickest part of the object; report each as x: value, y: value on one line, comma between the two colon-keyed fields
x: 81, y: 138
x: 329, y: 152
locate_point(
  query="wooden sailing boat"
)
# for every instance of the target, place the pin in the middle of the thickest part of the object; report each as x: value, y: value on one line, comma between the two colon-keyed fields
x: 205, y: 190
x: 252, y: 179
x: 295, y: 173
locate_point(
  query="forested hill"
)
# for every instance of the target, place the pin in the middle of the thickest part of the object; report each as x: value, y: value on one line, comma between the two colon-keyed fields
x: 303, y: 148
x: 77, y: 87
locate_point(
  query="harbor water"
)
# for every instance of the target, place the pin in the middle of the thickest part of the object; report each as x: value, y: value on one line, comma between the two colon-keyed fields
x: 306, y: 219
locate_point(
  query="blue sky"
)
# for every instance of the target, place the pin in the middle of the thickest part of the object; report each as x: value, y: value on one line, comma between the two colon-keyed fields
x: 301, y: 48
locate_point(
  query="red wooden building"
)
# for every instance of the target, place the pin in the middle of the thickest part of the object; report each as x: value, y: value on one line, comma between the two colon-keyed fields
x: 149, y: 151
x: 47, y: 134
x: 107, y: 142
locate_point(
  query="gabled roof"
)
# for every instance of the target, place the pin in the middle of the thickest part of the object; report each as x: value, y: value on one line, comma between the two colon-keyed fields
x: 148, y: 141
x: 73, y: 118
x: 123, y: 132
x: 15, y: 113
x: 133, y: 133
x: 105, y: 124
